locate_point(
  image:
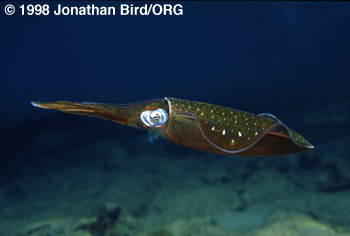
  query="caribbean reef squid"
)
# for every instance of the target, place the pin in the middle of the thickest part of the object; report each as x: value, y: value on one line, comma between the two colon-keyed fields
x: 197, y: 125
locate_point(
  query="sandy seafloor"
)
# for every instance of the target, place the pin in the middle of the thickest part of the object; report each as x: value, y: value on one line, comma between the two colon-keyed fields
x: 143, y: 189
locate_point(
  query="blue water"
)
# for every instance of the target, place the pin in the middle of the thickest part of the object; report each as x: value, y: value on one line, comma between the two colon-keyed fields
x: 290, y: 59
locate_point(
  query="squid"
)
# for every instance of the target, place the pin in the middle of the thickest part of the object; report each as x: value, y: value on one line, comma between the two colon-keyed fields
x: 198, y: 125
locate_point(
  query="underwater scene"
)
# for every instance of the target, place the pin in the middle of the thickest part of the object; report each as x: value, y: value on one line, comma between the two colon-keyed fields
x: 202, y: 118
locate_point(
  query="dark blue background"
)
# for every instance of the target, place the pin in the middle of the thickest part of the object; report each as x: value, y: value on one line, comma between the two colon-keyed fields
x: 259, y: 57
x: 289, y: 58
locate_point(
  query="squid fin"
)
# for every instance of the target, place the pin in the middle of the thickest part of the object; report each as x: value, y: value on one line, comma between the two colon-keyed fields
x: 269, y: 117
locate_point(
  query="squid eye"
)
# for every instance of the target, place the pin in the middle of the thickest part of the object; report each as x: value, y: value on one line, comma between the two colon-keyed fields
x: 154, y: 118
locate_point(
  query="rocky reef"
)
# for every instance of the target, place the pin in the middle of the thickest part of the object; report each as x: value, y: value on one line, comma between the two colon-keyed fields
x: 65, y: 184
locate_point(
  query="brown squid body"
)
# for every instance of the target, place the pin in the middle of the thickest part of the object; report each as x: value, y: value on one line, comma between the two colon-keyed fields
x: 197, y: 125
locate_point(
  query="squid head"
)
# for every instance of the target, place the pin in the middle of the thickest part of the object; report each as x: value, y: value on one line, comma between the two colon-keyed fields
x: 197, y: 125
